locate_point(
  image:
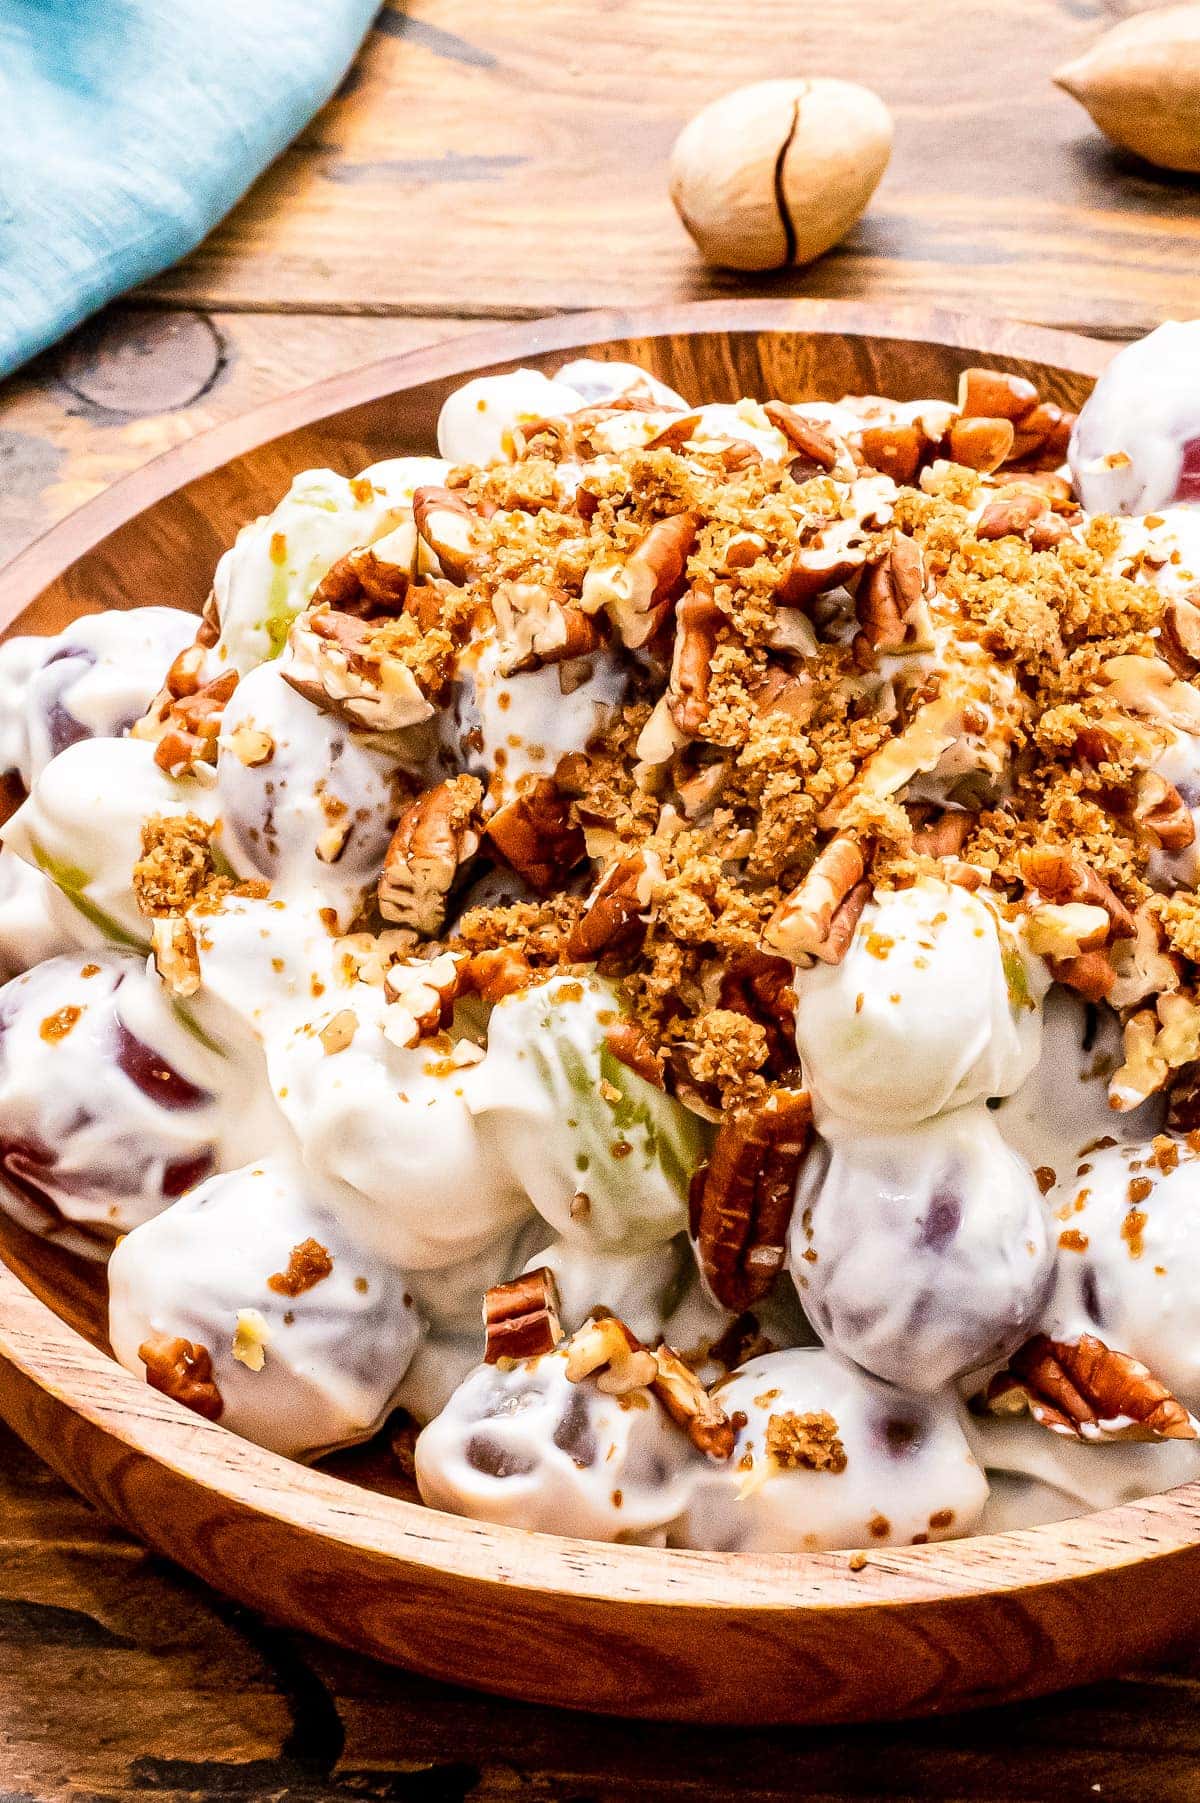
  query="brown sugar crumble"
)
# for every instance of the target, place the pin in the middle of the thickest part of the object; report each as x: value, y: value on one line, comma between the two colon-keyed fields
x: 308, y: 1264
x: 805, y: 1442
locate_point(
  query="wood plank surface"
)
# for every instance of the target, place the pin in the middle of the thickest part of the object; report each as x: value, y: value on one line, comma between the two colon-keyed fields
x: 504, y: 160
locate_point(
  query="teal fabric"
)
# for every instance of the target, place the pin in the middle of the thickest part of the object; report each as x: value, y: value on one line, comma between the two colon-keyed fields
x: 128, y: 127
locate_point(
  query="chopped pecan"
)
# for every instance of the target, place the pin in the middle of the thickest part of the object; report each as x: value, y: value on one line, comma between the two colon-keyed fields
x: 940, y: 833
x: 630, y: 1045
x: 521, y: 1318
x: 176, y: 955
x: 187, y: 727
x: 1090, y: 975
x: 1067, y: 929
x: 890, y: 603
x: 186, y: 674
x: 613, y: 909
x: 1062, y: 875
x: 421, y: 997
x: 366, y: 585
x: 981, y: 444
x: 1179, y: 633
x: 537, y: 625
x: 698, y: 623
x: 674, y: 436
x: 1148, y: 687
x: 435, y: 836
x: 605, y: 1349
x: 535, y: 835
x: 761, y: 988
x: 184, y: 1372
x: 896, y: 451
x: 309, y: 1264
x: 994, y: 394
x: 1085, y: 1389
x: 689, y: 1404
x: 742, y: 1199
x: 1160, y: 814
x: 818, y: 918
x: 502, y: 970
x: 338, y: 663
x: 1043, y: 435
x: 449, y: 526
x: 812, y: 441
x: 1011, y: 515
x: 779, y: 692
x: 814, y: 570
x: 639, y: 589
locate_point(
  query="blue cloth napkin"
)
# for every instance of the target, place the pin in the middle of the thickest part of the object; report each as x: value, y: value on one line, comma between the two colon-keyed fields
x: 128, y: 127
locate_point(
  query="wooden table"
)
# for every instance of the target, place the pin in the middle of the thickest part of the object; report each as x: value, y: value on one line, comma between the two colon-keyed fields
x: 480, y: 162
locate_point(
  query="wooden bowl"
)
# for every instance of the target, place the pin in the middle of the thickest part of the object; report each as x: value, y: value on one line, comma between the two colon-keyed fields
x: 630, y: 1630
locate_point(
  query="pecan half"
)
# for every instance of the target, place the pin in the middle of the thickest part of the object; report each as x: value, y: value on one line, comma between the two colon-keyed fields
x: 698, y: 623
x: 435, y: 836
x: 742, y: 1199
x: 811, y: 440
x: 449, y: 526
x: 535, y: 835
x: 890, y: 603
x: 336, y: 661
x: 521, y: 1318
x: 689, y: 1404
x: 537, y: 624
x: 639, y: 589
x: 818, y: 918
x: 184, y: 1372
x: 1085, y: 1389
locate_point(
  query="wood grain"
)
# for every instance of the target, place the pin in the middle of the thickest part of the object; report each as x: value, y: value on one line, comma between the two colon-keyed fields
x: 625, y: 1630
x: 487, y: 160
x: 122, y: 1678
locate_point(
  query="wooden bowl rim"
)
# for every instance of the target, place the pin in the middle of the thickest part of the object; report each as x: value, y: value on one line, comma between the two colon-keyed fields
x: 72, y: 1372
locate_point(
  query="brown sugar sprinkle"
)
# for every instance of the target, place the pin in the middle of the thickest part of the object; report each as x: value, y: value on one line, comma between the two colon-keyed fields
x: 56, y: 1026
x: 1165, y: 1154
x: 805, y: 1442
x: 1140, y: 1188
x: 1132, y: 1228
x: 308, y: 1264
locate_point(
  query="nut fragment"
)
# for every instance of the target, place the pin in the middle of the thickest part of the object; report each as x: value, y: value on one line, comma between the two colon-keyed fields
x: 184, y: 1372
x: 613, y: 909
x: 1161, y: 815
x: 818, y: 918
x: 995, y: 394
x: 980, y: 444
x: 890, y: 603
x: 435, y: 836
x: 1063, y: 875
x: 1086, y: 1390
x: 605, y: 1348
x: 1065, y: 929
x: 176, y: 955
x: 535, y: 835
x: 521, y: 1318
x: 538, y: 625
x: 340, y: 663
x: 186, y: 728
x: 687, y: 1402
x: 630, y: 1045
x: 637, y: 590
x: 742, y: 1199
x: 698, y: 622
x: 1179, y: 633
x: 804, y: 435
x: 366, y: 584
x: 421, y: 996
x: 896, y: 451
x: 448, y: 526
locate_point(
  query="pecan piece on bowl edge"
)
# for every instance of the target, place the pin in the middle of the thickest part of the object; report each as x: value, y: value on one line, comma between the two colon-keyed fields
x: 1085, y: 1389
x: 521, y: 1318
